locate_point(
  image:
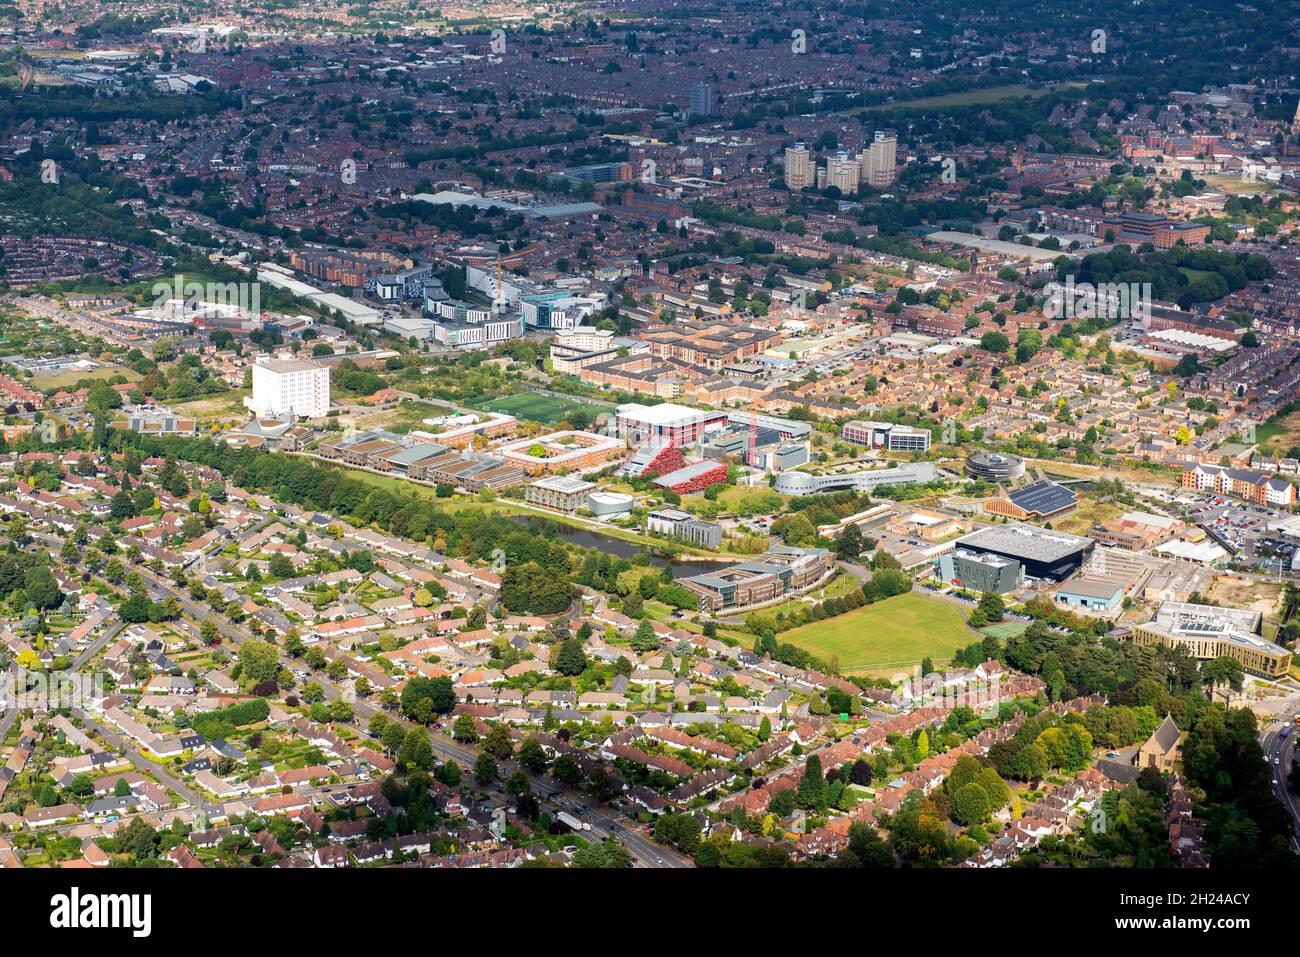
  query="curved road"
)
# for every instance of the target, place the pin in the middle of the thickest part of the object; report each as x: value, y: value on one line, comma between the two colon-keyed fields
x: 1279, y: 752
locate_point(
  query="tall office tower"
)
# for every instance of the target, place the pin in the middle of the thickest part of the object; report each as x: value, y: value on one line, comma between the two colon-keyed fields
x: 844, y: 172
x: 800, y: 169
x: 702, y: 100
x: 879, y: 160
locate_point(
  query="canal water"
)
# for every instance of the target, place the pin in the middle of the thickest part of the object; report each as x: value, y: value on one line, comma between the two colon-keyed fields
x: 599, y: 541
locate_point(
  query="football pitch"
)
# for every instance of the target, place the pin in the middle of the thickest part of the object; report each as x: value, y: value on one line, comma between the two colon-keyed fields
x: 542, y: 407
x: 890, y: 635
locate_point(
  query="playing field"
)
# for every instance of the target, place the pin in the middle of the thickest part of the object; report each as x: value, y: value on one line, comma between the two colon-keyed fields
x: 988, y: 94
x: 542, y: 407
x: 893, y: 634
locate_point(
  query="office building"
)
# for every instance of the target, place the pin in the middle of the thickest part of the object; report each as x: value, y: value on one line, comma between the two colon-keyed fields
x: 678, y: 424
x: 780, y: 571
x: 993, y: 467
x: 801, y: 483
x: 284, y: 387
x: 559, y: 452
x: 981, y: 572
x: 886, y: 435
x: 564, y: 493
x: 1209, y: 631
x: 685, y: 527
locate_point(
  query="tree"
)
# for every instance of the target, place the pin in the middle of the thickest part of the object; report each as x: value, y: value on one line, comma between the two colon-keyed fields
x: 995, y: 342
x: 485, y: 769
x: 566, y: 770
x: 531, y: 756
x: 868, y: 847
x: 570, y: 659
x: 437, y: 691
x: 42, y: 589
x: 645, y: 638
x: 970, y: 805
x: 812, y: 786
x: 121, y: 506
x: 465, y: 730
x: 416, y: 752
x: 860, y: 773
x: 992, y: 605
x: 609, y: 853
x: 497, y: 742
x: 849, y: 546
x: 1221, y: 671
x: 517, y: 784
x: 258, y: 661
x: 394, y: 736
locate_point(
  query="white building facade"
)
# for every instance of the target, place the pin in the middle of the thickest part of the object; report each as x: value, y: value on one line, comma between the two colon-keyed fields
x: 290, y: 387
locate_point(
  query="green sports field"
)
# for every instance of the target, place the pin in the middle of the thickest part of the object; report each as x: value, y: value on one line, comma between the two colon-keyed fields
x: 542, y: 407
x: 891, y: 635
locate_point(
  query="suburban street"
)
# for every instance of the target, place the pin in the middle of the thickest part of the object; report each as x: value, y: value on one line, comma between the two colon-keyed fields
x: 604, y: 821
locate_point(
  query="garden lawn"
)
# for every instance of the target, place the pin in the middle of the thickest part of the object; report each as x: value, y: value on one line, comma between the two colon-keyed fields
x: 889, y: 635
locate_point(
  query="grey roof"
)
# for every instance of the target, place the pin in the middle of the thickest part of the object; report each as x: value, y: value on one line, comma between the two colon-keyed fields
x: 1165, y: 736
x: 416, y: 452
x: 1044, y: 498
x: 1025, y: 541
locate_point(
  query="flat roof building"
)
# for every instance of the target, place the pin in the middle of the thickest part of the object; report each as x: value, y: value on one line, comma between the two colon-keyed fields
x: 1211, y: 631
x: 1043, y: 553
x: 981, y: 572
x: 886, y: 435
x: 564, y: 493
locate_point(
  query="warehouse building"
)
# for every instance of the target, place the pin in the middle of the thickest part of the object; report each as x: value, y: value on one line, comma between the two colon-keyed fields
x: 1043, y: 553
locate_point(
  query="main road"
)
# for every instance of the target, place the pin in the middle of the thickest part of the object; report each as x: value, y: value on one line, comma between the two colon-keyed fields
x: 1279, y: 752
